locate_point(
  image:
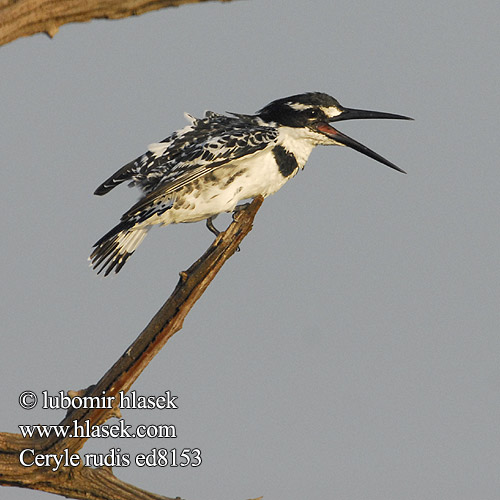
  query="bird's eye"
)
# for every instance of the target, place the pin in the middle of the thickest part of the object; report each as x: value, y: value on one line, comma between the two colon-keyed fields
x: 312, y: 113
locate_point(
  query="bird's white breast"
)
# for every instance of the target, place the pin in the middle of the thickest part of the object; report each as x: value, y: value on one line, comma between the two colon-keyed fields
x: 221, y: 190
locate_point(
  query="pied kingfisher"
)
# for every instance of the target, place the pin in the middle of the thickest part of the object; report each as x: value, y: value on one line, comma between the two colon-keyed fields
x: 217, y: 161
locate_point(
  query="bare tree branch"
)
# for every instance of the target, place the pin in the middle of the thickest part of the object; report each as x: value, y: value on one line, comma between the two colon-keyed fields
x: 20, y: 18
x: 100, y: 484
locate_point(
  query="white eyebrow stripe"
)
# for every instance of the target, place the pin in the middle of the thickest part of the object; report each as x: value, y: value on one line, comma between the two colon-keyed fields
x: 329, y: 111
x: 298, y: 106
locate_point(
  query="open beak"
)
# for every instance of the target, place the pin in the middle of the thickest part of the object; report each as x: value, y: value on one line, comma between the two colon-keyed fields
x: 356, y: 114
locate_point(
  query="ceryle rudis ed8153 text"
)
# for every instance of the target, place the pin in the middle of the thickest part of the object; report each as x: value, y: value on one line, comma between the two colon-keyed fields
x: 217, y: 161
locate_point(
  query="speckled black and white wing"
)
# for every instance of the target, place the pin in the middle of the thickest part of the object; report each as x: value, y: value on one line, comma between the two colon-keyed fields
x: 209, y: 142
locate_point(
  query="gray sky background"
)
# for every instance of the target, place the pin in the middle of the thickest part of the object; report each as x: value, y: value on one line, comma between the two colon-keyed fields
x: 351, y: 349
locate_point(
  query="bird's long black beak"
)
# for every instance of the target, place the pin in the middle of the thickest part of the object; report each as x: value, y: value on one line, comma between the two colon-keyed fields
x: 359, y: 114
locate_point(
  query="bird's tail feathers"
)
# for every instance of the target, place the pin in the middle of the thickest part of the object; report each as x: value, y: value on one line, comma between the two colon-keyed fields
x: 124, y: 174
x: 114, y: 248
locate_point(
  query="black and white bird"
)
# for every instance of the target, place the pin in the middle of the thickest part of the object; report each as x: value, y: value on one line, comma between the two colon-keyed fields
x: 215, y: 162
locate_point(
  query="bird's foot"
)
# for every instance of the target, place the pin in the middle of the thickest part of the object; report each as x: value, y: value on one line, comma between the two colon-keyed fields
x: 239, y: 208
x: 211, y: 227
